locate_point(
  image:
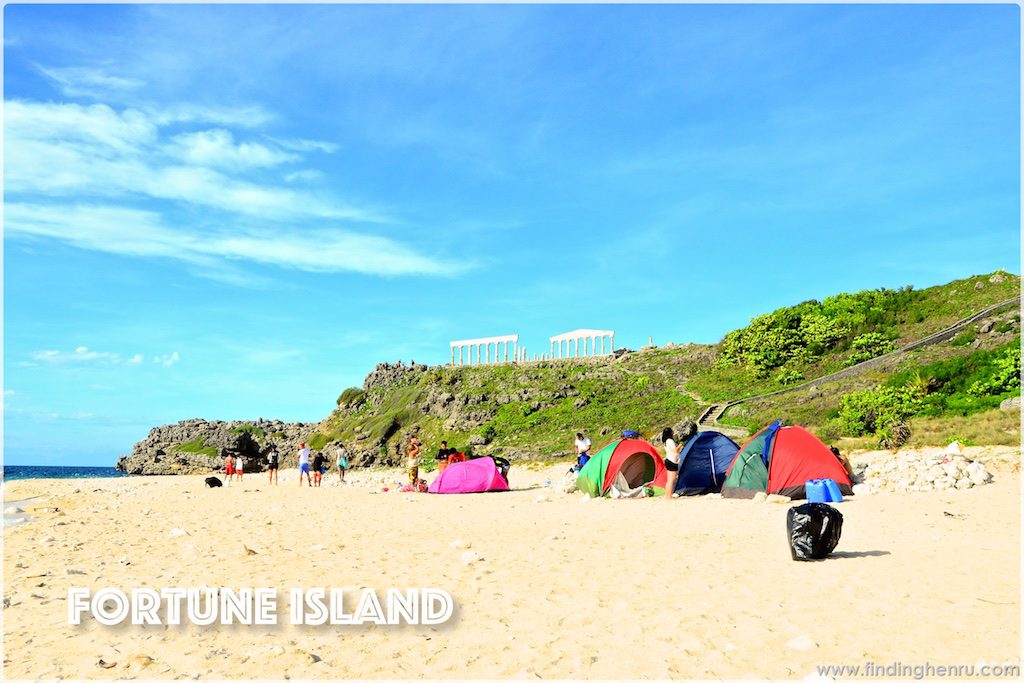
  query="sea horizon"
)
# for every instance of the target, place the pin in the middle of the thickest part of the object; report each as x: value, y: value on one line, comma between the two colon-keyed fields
x: 14, y: 472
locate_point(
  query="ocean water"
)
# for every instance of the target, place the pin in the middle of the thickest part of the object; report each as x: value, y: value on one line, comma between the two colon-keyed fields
x: 11, y: 472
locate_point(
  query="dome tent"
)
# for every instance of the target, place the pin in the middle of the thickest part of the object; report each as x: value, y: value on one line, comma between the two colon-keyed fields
x: 780, y: 460
x: 703, y: 462
x: 623, y: 468
x: 469, y: 476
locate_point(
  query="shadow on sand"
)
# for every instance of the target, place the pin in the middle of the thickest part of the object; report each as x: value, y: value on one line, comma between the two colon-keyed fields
x: 859, y: 553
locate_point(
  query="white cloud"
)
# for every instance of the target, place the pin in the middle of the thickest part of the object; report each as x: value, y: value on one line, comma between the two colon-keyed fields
x: 217, y: 148
x: 96, y: 128
x: 75, y: 150
x: 81, y: 354
x: 167, y: 360
x: 80, y: 173
x: 244, y: 116
x: 305, y: 175
x: 88, y: 81
x: 300, y: 145
x: 134, y: 232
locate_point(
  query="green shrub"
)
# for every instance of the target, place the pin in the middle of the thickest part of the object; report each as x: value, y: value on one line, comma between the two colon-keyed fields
x: 351, y: 397
x: 787, y: 376
x: 867, y: 412
x: 966, y: 384
x: 1005, y: 375
x: 489, y: 432
x: 807, y: 331
x: 869, y: 345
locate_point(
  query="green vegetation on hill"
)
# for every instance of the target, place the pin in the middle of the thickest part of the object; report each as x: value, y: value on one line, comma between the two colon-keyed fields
x: 536, y: 408
x: 814, y: 338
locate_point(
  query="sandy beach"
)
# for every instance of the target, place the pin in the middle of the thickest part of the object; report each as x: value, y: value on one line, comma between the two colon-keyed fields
x: 562, y: 587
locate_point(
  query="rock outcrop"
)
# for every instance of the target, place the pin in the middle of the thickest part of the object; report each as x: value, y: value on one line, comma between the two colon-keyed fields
x: 184, y: 447
x: 905, y: 472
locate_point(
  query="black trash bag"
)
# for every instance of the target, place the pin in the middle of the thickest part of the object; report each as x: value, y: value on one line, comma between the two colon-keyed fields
x: 814, y: 530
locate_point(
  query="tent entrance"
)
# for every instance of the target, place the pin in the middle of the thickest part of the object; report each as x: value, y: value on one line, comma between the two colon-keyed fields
x: 637, y: 470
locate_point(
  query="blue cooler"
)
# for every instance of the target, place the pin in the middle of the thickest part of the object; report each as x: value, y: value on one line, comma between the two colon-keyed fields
x: 823, y: 491
x: 816, y: 491
x: 834, y: 495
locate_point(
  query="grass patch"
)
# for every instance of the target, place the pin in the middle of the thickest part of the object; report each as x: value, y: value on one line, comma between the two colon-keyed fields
x: 990, y: 428
x: 249, y: 429
x: 197, y: 445
x: 318, y: 441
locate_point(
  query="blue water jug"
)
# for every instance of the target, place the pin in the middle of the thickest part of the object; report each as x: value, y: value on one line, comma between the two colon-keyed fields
x: 816, y: 491
x: 834, y: 495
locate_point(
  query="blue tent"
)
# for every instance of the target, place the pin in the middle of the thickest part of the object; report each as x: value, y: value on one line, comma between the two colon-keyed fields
x: 703, y: 463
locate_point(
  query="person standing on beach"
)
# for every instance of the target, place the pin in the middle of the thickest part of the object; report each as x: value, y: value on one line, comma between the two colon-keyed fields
x: 413, y: 462
x: 304, y: 463
x: 582, y: 450
x: 671, y: 460
x: 239, y: 466
x: 318, y: 468
x: 443, y: 453
x: 272, y: 464
x: 229, y: 469
x: 341, y: 459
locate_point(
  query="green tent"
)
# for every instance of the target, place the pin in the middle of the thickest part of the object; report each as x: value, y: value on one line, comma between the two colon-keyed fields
x: 627, y: 465
x: 748, y: 471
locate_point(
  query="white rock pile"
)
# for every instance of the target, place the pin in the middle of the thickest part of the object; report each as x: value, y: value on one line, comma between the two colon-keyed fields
x: 921, y: 472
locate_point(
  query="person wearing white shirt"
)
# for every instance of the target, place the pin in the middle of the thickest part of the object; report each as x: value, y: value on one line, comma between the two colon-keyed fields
x: 304, y: 463
x: 582, y: 450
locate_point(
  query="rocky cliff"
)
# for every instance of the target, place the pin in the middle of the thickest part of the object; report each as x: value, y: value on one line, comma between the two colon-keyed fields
x: 198, y: 446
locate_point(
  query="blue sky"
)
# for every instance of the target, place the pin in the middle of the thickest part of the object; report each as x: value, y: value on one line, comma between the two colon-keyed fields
x: 234, y: 212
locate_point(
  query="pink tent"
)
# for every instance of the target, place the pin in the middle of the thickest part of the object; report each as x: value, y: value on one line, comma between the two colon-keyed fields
x: 471, y: 476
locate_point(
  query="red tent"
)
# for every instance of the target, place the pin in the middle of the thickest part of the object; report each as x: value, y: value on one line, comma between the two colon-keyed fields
x: 793, y: 455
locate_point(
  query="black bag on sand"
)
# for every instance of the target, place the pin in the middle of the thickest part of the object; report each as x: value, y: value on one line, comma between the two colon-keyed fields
x: 213, y: 482
x: 814, y: 530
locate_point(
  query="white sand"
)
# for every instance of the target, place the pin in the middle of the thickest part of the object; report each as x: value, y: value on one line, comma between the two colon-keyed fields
x: 692, y: 588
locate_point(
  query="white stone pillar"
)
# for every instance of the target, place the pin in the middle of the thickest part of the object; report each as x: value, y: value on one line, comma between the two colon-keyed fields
x: 613, y: 342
